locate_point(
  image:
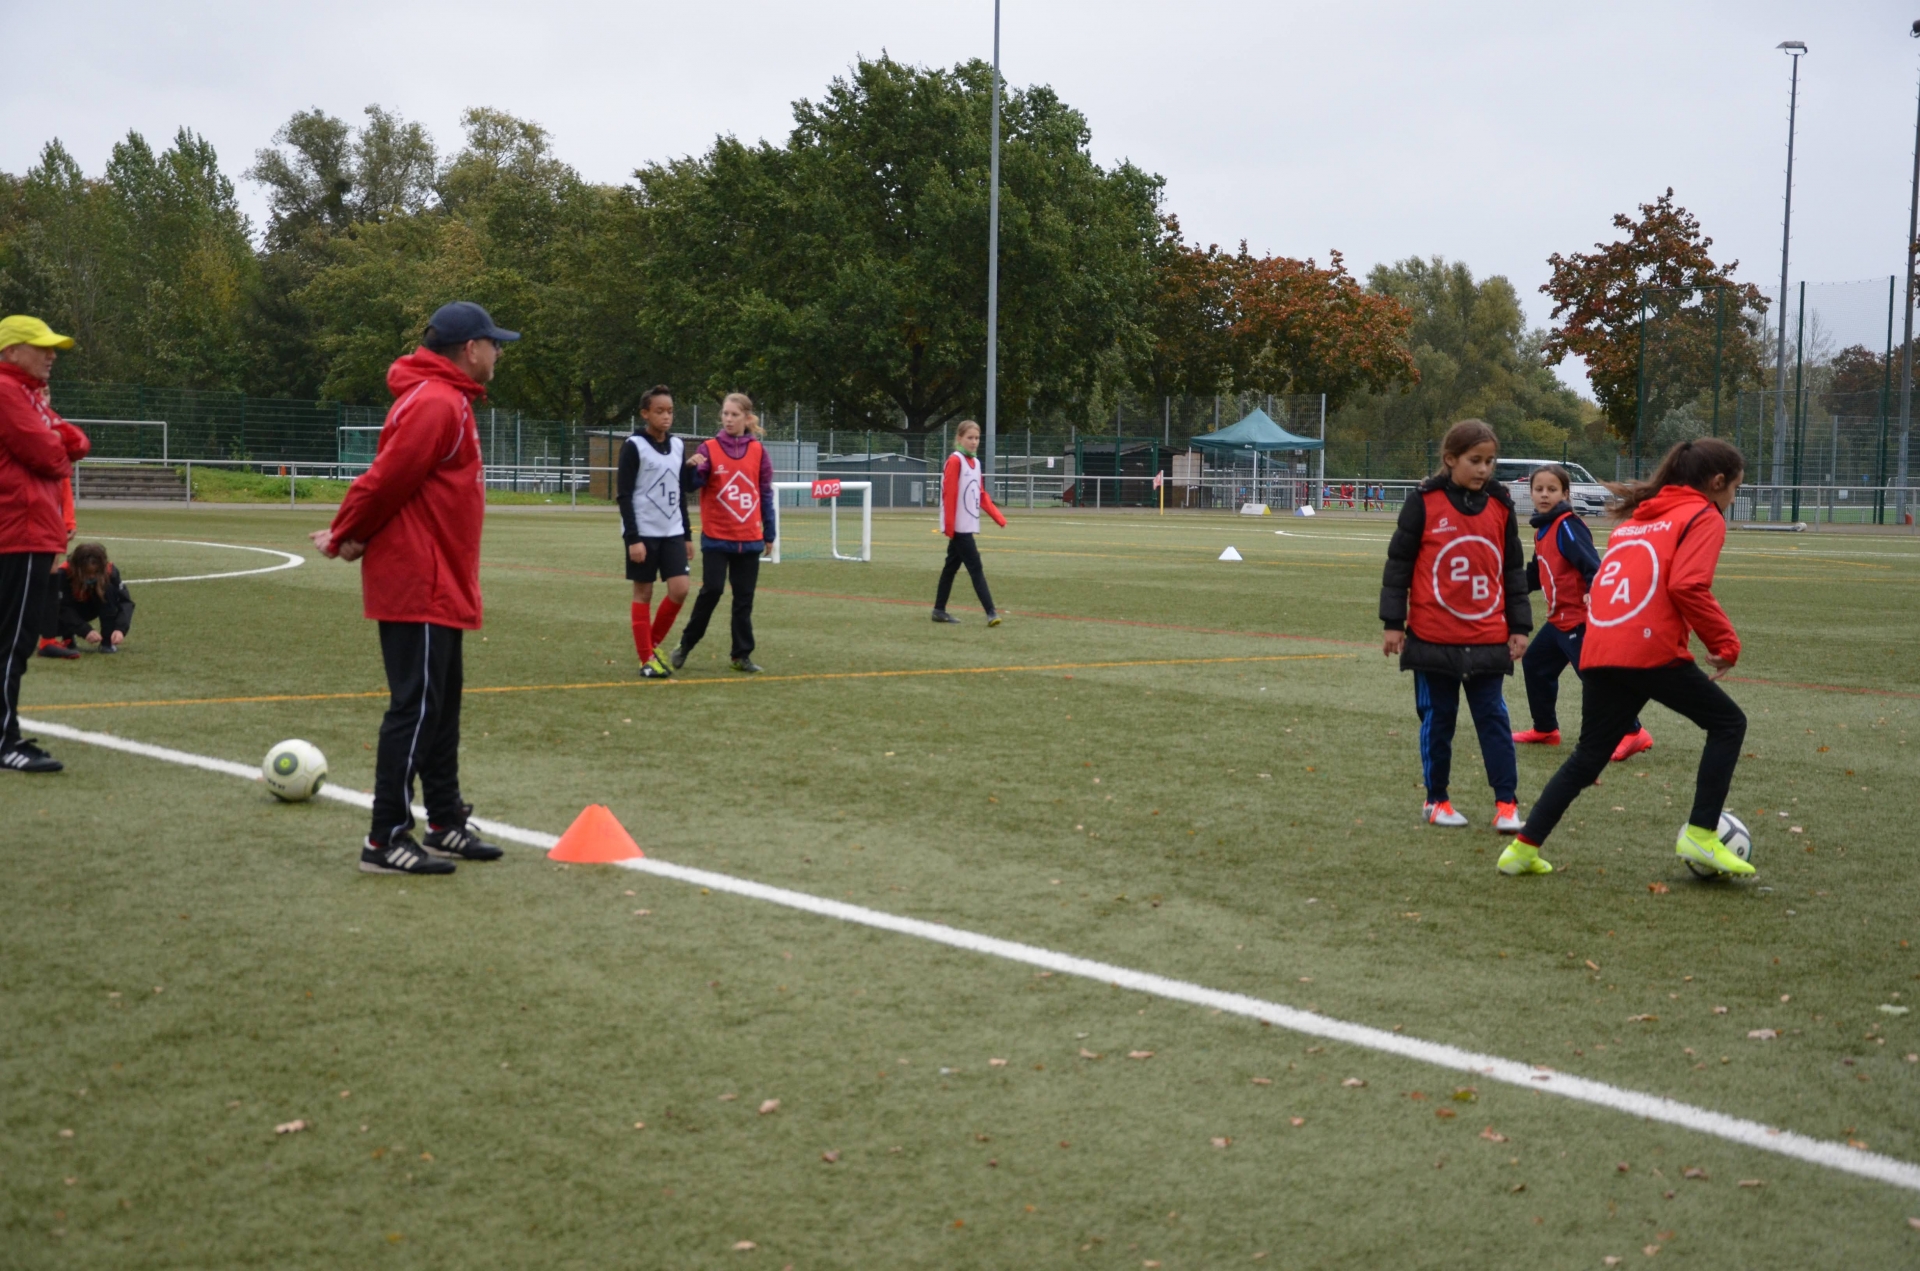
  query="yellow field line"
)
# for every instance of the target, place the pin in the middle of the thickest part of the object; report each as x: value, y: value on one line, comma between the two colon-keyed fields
x: 743, y: 679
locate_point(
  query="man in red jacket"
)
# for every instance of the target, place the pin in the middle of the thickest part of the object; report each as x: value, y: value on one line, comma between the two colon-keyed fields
x: 37, y: 452
x: 413, y: 521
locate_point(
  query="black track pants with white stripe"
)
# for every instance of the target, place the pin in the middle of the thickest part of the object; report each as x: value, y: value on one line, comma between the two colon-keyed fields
x: 420, y: 735
x: 23, y: 597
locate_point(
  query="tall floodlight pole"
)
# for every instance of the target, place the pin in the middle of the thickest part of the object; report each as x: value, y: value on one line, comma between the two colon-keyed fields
x: 1795, y: 49
x: 1906, y: 346
x: 993, y: 270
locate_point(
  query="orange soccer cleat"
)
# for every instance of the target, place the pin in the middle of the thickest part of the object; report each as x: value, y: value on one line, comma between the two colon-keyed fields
x: 1534, y: 737
x: 1632, y: 744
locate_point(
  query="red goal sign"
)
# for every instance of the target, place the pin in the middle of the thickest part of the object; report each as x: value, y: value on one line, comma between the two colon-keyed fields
x: 826, y: 489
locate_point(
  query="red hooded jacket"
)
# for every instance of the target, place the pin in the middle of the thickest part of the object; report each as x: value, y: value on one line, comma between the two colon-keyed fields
x: 420, y: 507
x: 1655, y: 584
x: 37, y: 452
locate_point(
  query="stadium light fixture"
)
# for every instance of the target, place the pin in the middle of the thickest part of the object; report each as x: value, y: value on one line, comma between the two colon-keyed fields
x: 1906, y: 340
x: 991, y: 431
x: 1795, y: 49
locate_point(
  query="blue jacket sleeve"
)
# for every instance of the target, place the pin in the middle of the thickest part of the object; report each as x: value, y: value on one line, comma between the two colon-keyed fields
x: 1576, y: 544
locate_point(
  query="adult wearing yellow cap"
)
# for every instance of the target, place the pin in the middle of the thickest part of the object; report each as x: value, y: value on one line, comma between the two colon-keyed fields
x: 37, y: 452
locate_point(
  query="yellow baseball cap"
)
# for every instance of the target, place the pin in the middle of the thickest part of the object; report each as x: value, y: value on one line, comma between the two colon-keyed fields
x: 20, y: 329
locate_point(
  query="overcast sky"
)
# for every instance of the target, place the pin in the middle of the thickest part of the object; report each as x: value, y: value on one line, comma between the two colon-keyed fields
x: 1493, y: 133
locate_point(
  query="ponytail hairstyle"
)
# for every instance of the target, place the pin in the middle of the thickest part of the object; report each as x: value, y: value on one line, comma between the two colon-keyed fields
x: 1558, y: 473
x: 745, y: 403
x: 1691, y: 463
x: 1462, y: 437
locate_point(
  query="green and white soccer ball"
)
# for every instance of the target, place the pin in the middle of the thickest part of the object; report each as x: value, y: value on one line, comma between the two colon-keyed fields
x: 294, y: 770
x: 1735, y: 834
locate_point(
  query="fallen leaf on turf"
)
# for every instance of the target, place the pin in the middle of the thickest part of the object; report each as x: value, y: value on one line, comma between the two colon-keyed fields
x: 1694, y: 1171
x: 1796, y: 829
x: 1517, y: 1188
x: 996, y: 1063
x: 1762, y: 1034
x: 1642, y: 1019
x: 1886, y: 1009
x: 744, y: 1246
x: 643, y: 913
x: 771, y: 1105
x: 1263, y: 1081
x: 1139, y: 1054
x: 830, y: 1158
x: 1297, y: 1121
x: 1610, y: 1261
x: 1221, y: 1142
x: 627, y: 893
x: 285, y: 1127
x: 1492, y: 1135
x: 1592, y: 965
x: 1719, y: 1010
x: 1065, y: 1144
x: 1150, y: 1263
x: 728, y: 1098
x: 66, y: 1134
x: 639, y: 1125
x: 1623, y: 1167
x: 1858, y: 1145
x: 1087, y: 1054
x: 1353, y: 1083
x: 1445, y: 1114
x: 1658, y: 889
x: 1752, y: 1182
x: 1465, y: 1094
x: 1914, y: 1223
x: 1650, y: 1250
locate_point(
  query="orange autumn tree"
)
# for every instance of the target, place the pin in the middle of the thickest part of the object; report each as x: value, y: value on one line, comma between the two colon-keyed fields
x: 1663, y: 260
x: 1298, y: 328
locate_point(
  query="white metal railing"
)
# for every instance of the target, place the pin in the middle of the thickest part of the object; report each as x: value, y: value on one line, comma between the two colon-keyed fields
x: 1818, y: 503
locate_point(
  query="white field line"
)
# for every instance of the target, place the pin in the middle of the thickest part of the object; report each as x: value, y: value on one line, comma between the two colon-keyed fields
x: 1834, y: 1156
x: 288, y: 560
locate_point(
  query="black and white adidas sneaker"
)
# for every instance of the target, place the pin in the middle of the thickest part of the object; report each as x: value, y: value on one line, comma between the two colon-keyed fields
x: 401, y: 856
x: 459, y: 842
x: 25, y: 756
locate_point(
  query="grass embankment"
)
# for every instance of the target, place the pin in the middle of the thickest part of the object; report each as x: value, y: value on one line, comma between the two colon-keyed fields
x: 228, y: 485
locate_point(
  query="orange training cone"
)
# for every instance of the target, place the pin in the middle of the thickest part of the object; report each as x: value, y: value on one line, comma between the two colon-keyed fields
x: 596, y: 837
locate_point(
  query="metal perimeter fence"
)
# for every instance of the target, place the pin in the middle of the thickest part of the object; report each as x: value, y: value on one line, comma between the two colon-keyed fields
x: 1830, y: 454
x: 1808, y: 391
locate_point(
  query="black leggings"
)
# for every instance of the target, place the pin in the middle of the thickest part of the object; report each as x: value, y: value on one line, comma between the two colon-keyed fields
x: 23, y: 603
x: 717, y: 569
x: 962, y: 550
x: 1611, y: 697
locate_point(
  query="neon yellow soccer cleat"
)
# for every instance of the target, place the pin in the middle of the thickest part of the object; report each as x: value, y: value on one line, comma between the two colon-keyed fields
x: 1522, y: 858
x: 1703, y: 847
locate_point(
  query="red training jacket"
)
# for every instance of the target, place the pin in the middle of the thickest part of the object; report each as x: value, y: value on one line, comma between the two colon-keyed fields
x: 1656, y: 584
x: 37, y: 452
x: 1458, y: 594
x: 420, y: 507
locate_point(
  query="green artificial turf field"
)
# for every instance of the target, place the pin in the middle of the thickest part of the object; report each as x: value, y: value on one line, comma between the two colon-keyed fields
x: 1200, y: 769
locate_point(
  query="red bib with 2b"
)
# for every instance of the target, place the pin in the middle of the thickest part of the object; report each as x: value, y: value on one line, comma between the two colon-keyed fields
x: 1457, y: 595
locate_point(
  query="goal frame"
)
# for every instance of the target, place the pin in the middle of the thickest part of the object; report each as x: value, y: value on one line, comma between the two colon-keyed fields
x: 833, y: 518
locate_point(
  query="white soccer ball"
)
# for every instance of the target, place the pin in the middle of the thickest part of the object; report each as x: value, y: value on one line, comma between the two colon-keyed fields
x: 1735, y: 834
x: 294, y: 770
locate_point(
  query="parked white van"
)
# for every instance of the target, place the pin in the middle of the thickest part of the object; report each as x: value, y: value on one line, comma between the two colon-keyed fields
x: 1588, y: 496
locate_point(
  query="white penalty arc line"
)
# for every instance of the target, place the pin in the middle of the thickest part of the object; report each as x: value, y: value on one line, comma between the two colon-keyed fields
x: 1846, y: 1160
x: 288, y: 560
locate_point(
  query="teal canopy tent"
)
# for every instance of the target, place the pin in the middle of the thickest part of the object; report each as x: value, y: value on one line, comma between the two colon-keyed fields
x: 1255, y: 434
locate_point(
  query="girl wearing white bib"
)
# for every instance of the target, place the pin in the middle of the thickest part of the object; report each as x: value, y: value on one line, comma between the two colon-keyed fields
x: 963, y: 496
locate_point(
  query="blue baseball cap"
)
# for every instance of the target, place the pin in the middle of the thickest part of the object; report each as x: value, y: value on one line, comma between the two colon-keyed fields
x: 464, y: 320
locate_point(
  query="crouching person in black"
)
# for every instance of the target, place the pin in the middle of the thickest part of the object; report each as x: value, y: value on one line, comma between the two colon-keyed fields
x: 87, y: 589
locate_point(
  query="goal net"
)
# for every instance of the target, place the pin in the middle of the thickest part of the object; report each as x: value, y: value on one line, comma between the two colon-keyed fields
x: 823, y: 520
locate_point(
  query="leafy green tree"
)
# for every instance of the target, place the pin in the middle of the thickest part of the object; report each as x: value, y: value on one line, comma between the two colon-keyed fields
x: 848, y: 267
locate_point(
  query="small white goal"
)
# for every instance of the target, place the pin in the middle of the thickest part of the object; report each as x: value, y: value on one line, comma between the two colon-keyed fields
x: 811, y: 526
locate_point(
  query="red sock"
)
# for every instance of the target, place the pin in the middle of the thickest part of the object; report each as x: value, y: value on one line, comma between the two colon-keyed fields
x: 663, y: 621
x: 642, y: 631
